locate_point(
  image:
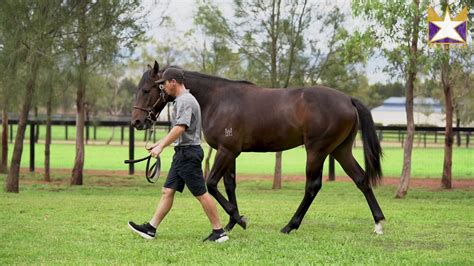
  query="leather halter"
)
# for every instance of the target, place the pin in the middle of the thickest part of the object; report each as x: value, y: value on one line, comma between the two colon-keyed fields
x: 152, y: 116
x: 152, y: 173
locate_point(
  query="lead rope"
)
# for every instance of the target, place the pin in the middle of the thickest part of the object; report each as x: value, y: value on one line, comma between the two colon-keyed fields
x: 152, y: 172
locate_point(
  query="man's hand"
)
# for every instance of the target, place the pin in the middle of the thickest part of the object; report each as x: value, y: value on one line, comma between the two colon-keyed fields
x: 149, y: 148
x: 155, y: 151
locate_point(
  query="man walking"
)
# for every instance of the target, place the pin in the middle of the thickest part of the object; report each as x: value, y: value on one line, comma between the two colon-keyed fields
x: 186, y: 166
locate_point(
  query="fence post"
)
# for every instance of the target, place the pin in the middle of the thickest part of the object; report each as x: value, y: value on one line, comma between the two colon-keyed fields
x: 37, y: 134
x: 436, y: 136
x: 424, y: 139
x: 121, y: 135
x: 32, y: 146
x: 66, y: 131
x: 11, y: 133
x: 467, y: 139
x: 87, y: 131
x: 332, y: 174
x: 95, y: 132
x: 458, y: 133
x: 131, y: 146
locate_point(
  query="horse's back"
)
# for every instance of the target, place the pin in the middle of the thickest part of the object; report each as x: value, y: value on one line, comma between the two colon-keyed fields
x: 279, y: 119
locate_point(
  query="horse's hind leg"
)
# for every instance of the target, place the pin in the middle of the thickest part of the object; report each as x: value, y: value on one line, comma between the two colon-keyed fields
x: 222, y: 162
x: 230, y: 185
x: 314, y: 174
x: 343, y: 155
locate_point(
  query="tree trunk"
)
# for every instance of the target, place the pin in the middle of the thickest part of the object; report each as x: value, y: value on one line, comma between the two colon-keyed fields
x: 37, y: 129
x: 277, y: 176
x: 4, y: 142
x: 47, y: 144
x: 449, y: 136
x: 77, y: 171
x: 111, y: 137
x: 12, y: 181
x: 273, y: 75
x: 412, y: 71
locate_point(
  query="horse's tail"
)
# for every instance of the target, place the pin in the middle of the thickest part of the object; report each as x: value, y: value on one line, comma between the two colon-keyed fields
x: 372, y: 149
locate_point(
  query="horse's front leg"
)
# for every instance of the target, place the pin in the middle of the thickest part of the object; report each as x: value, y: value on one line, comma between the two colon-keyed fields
x: 230, y: 185
x: 224, y: 159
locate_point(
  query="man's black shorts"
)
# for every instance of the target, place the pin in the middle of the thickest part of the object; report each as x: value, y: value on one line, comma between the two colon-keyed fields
x: 186, y: 169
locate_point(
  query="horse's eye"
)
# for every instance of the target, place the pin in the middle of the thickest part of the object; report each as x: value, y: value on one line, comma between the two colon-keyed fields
x: 146, y: 91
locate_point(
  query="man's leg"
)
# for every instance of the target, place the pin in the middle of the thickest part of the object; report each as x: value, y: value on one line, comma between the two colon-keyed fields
x: 210, y: 209
x: 164, y: 206
x: 218, y: 234
x: 148, y: 230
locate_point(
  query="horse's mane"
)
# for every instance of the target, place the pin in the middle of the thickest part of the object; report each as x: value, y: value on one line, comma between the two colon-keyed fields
x: 202, y: 75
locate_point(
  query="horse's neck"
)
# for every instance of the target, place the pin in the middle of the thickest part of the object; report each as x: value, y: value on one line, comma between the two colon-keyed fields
x: 202, y: 89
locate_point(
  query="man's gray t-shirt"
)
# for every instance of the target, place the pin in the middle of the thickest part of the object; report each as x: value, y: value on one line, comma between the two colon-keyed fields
x: 186, y: 112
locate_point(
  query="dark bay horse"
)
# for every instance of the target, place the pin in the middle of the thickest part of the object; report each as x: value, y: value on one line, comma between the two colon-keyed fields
x: 238, y: 116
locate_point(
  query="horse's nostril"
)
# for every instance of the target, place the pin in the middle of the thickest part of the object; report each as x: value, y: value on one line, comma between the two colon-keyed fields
x: 136, y: 123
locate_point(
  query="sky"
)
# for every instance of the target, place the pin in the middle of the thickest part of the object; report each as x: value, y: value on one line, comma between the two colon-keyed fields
x: 184, y: 10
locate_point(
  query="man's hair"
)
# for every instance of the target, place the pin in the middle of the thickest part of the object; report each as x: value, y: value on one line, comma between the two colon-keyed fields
x: 174, y: 73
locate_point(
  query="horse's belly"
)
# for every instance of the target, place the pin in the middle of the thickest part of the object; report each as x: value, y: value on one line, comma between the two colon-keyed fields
x: 272, y: 142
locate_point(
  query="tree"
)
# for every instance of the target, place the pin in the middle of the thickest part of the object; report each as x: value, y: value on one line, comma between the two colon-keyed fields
x: 462, y: 73
x: 101, y: 30
x: 50, y: 79
x: 36, y: 27
x: 401, y: 26
x: 11, y: 52
x: 449, y: 64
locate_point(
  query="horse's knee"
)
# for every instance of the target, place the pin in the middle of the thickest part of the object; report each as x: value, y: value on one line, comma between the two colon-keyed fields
x: 313, y: 186
x: 229, y: 188
x: 212, y: 186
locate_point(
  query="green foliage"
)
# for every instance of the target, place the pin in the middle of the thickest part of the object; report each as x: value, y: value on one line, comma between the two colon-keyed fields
x: 59, y: 224
x: 379, y: 92
x: 394, y: 37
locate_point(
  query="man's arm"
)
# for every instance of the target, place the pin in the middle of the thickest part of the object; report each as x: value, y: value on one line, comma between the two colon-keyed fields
x: 173, y: 135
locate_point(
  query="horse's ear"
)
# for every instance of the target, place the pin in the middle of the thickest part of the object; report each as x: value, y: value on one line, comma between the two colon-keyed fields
x: 149, y: 67
x: 156, y: 67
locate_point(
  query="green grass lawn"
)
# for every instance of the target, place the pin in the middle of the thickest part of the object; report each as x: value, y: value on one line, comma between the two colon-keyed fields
x: 60, y: 224
x: 426, y: 162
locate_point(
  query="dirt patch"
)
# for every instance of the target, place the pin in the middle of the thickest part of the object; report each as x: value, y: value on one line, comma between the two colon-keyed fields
x: 387, y: 181
x: 124, y: 179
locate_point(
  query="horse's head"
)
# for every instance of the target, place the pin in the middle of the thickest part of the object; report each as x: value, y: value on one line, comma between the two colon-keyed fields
x: 150, y: 98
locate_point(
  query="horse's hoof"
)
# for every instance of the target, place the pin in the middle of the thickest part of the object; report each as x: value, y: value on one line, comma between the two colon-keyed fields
x: 378, y: 228
x: 243, y: 222
x: 286, y: 230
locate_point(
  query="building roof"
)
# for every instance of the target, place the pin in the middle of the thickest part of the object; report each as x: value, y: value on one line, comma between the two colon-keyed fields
x: 397, y: 104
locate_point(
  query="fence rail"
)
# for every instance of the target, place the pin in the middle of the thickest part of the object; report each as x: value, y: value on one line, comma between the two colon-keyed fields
x: 33, y: 125
x: 383, y: 133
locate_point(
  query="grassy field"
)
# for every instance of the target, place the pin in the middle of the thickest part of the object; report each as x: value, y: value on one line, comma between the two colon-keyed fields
x: 59, y: 224
x: 426, y: 162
